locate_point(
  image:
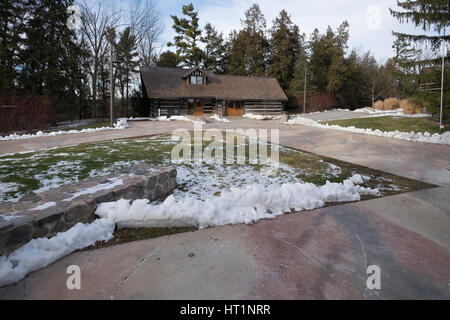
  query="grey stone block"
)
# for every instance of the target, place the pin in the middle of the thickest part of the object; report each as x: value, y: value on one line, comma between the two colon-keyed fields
x: 163, y: 178
x: 150, y: 182
x: 6, y: 226
x: 146, y: 182
x: 20, y: 235
x: 60, y: 226
x: 31, y: 198
x: 80, y: 210
x: 157, y: 193
x: 103, y: 196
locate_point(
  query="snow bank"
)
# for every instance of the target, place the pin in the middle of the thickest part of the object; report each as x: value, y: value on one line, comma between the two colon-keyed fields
x: 163, y: 118
x: 177, y: 118
x: 408, y: 136
x: 173, y: 118
x: 140, y: 119
x: 261, y: 117
x: 39, y: 253
x: 373, y: 111
x: 395, y: 113
x: 238, y: 205
x: 120, y: 124
x: 220, y: 119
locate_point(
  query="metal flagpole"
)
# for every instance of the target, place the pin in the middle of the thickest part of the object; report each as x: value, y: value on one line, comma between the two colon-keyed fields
x: 111, y: 95
x: 304, y: 93
x: 444, y: 49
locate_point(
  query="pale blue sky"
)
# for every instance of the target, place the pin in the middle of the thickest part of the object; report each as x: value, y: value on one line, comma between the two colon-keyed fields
x: 370, y: 22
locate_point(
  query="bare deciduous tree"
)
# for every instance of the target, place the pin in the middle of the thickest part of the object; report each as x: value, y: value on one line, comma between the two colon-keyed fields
x: 95, y: 23
x: 146, y: 26
x: 375, y: 79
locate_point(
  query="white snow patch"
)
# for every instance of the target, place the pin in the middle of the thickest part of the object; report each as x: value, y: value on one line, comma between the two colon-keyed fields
x: 105, y: 186
x: 408, y: 136
x: 178, y: 118
x: 140, y: 119
x: 219, y: 118
x: 395, y: 113
x: 119, y: 125
x: 44, y: 206
x: 8, y: 187
x: 261, y: 117
x: 238, y: 205
x: 39, y: 253
x: 375, y: 111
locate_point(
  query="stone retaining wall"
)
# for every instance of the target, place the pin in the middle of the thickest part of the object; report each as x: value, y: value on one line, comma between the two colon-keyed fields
x: 47, y: 213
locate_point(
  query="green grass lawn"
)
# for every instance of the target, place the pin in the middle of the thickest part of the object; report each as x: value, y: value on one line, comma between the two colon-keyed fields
x: 391, y: 124
x: 42, y: 170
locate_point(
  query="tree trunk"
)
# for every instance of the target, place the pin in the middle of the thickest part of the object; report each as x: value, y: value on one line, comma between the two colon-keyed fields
x: 126, y: 102
x: 94, y: 95
x: 372, y: 94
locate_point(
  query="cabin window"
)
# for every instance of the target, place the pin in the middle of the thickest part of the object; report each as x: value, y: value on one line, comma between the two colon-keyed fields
x: 196, y: 80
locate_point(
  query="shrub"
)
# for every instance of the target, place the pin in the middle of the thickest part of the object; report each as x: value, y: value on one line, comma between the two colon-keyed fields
x: 391, y: 104
x: 379, y: 105
x: 315, y: 102
x: 26, y: 113
x: 411, y: 106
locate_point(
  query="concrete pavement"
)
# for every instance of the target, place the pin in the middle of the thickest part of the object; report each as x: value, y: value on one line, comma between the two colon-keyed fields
x: 319, y: 254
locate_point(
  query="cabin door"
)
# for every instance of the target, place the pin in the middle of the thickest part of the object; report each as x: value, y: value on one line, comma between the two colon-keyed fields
x: 198, y: 108
x: 235, y: 108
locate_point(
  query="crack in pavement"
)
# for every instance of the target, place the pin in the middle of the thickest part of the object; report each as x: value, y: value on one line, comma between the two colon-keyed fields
x: 134, y: 270
x: 316, y: 263
x: 365, y: 258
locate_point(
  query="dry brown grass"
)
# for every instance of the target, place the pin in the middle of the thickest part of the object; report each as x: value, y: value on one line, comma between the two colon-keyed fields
x: 410, y: 107
x: 379, y: 105
x: 391, y: 104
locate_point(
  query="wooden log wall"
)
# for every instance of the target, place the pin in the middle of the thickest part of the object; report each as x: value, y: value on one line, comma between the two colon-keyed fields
x: 265, y: 108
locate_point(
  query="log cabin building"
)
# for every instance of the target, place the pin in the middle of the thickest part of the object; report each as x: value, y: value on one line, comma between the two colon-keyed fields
x: 176, y: 91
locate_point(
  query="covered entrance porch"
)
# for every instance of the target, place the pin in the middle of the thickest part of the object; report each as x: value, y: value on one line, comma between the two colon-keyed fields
x: 234, y: 108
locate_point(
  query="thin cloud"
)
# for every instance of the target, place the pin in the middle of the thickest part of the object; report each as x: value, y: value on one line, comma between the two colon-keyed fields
x: 308, y: 15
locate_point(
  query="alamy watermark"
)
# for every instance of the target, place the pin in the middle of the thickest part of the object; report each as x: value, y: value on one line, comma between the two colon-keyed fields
x: 227, y: 148
x: 74, y: 20
x: 74, y: 280
x: 374, y: 279
x: 373, y: 21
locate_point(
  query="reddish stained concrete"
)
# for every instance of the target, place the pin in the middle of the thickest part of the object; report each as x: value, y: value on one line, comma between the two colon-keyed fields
x: 319, y: 254
x: 424, y: 258
x: 327, y: 261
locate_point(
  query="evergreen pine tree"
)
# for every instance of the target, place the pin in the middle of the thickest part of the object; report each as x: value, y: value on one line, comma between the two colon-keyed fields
x: 285, y: 46
x: 430, y: 15
x: 11, y: 25
x: 189, y: 34
x: 255, y: 45
x: 50, y: 52
x: 214, y: 49
x: 168, y: 59
x: 234, y: 59
x: 126, y: 55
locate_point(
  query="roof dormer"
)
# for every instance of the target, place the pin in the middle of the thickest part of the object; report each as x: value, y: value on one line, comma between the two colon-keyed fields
x: 195, y: 76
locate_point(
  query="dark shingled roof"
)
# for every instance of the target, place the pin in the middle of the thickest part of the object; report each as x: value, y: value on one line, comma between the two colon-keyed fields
x: 168, y: 83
